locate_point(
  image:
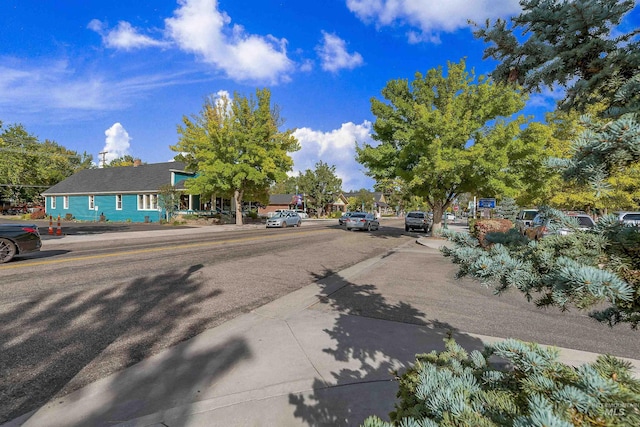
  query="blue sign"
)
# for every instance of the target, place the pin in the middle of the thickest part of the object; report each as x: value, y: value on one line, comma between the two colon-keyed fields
x: 487, y: 203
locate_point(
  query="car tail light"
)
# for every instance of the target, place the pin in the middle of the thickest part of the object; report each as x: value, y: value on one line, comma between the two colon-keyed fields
x: 363, y: 220
x: 30, y: 230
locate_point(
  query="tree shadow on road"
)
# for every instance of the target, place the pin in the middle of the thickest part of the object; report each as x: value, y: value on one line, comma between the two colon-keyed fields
x: 54, y: 344
x: 374, y: 339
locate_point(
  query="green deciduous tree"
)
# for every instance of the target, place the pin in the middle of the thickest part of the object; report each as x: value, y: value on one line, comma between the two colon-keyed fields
x: 28, y: 166
x: 362, y: 200
x: 286, y: 186
x: 169, y: 200
x: 126, y: 160
x: 444, y: 135
x: 236, y: 148
x: 319, y: 186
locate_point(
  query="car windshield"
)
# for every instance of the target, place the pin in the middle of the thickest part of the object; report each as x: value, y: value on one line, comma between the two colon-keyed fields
x: 528, y: 215
x: 585, y: 221
x: 279, y: 215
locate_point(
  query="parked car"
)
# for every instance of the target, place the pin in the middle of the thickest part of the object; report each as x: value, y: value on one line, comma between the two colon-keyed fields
x: 362, y: 221
x: 301, y: 213
x: 629, y: 218
x: 524, y: 219
x: 18, y: 239
x: 284, y: 219
x: 418, y: 220
x: 448, y: 216
x: 542, y: 226
x: 343, y: 219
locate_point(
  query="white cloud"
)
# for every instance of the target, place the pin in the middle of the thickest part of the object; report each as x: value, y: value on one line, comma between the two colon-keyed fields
x: 334, y: 55
x: 431, y: 16
x: 336, y: 148
x: 199, y: 27
x: 124, y: 36
x: 57, y: 88
x: 116, y: 143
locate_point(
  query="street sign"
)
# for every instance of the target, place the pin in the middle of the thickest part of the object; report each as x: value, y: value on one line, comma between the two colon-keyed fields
x: 487, y: 203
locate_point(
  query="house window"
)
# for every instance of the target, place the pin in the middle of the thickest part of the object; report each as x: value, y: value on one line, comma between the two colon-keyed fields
x: 92, y: 202
x: 147, y: 202
x: 118, y: 202
x: 53, y: 202
x: 65, y: 202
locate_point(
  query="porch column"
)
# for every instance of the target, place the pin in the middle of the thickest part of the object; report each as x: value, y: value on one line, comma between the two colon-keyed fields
x: 190, y: 202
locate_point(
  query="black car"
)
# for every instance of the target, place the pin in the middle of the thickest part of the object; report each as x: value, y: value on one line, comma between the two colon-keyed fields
x: 18, y: 239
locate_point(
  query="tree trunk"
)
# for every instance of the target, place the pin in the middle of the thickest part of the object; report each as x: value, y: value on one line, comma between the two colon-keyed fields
x: 437, y: 219
x: 237, y: 199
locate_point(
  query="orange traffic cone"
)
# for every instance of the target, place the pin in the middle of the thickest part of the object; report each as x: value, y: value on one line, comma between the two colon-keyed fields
x: 59, y: 230
x: 50, y: 224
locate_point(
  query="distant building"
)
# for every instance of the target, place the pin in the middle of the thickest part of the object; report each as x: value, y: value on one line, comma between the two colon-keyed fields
x: 126, y: 193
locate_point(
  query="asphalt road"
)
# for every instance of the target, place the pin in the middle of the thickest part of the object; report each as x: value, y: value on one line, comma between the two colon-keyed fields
x: 73, y: 314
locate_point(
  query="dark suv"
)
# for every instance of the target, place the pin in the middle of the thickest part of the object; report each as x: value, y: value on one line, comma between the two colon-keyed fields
x: 417, y: 220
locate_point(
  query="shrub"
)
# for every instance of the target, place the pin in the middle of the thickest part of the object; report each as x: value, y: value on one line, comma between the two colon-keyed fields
x: 482, y: 227
x: 252, y: 214
x: 457, y: 388
x: 68, y: 217
x: 38, y: 215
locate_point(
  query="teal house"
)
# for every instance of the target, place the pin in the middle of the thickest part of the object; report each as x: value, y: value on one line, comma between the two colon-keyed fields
x: 119, y: 194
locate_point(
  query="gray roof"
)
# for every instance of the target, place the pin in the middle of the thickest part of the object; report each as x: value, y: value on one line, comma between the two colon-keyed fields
x: 121, y: 179
x: 281, y: 199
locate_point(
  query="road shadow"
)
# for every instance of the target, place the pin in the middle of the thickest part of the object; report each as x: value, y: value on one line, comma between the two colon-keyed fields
x: 376, y: 340
x: 54, y: 344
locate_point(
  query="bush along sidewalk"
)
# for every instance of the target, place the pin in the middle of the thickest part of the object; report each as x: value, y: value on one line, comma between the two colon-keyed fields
x: 457, y: 388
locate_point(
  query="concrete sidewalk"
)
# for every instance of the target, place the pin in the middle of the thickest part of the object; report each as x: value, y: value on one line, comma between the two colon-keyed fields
x: 322, y: 355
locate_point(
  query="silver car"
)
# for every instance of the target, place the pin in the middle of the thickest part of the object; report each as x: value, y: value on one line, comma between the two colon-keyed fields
x: 362, y: 221
x: 284, y: 219
x: 629, y: 218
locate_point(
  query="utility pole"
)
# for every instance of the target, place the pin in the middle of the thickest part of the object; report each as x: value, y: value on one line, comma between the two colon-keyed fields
x: 103, y: 153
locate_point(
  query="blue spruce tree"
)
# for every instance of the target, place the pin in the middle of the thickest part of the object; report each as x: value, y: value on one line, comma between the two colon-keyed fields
x: 571, y: 44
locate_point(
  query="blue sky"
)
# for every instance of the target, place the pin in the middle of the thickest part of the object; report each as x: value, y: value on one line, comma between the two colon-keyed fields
x: 118, y: 76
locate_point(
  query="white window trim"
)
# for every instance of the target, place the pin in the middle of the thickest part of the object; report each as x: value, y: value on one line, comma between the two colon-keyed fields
x: 147, y: 202
x: 118, y: 202
x: 65, y: 202
x: 92, y: 202
x: 53, y: 202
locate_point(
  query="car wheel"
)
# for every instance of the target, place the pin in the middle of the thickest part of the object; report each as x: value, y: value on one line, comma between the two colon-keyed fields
x: 7, y: 250
x: 298, y: 224
x: 284, y: 224
x: 369, y: 227
x: 406, y: 228
x: 426, y: 229
x: 348, y: 229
